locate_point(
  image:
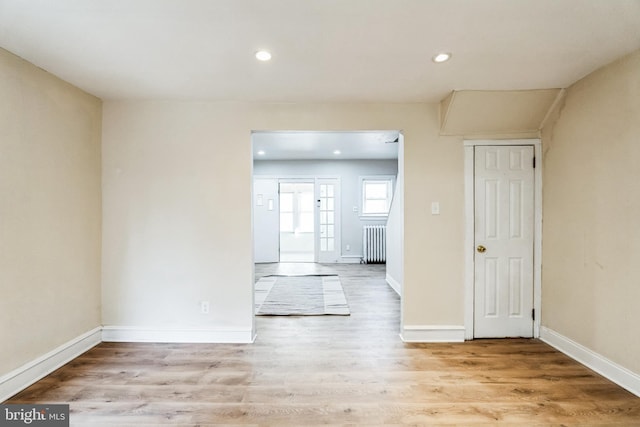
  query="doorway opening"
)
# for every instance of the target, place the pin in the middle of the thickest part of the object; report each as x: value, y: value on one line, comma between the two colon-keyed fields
x: 357, y: 183
x: 315, y: 192
x: 297, y: 221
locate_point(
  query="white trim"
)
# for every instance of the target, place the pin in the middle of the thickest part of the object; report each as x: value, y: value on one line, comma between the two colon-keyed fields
x: 526, y: 141
x: 469, y: 237
x: 138, y: 334
x: 432, y: 333
x: 511, y: 134
x: 350, y: 259
x: 394, y: 284
x: 380, y: 218
x: 605, y: 367
x: 22, y: 377
x: 537, y: 238
x: 294, y: 177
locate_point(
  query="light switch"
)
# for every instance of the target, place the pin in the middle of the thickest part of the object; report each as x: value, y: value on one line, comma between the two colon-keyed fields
x: 435, y: 208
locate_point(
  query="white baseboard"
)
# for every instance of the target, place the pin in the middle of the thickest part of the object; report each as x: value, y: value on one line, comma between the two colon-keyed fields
x: 22, y: 377
x: 605, y: 367
x: 350, y: 259
x: 395, y: 285
x: 432, y: 333
x: 136, y: 334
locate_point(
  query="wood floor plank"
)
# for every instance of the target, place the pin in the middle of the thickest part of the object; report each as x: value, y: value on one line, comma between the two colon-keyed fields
x: 334, y: 371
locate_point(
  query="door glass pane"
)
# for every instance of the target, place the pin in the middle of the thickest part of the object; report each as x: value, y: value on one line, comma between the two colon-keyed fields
x: 330, y: 231
x: 323, y: 190
x: 330, y: 190
x: 330, y: 218
x: 330, y: 244
x: 323, y: 244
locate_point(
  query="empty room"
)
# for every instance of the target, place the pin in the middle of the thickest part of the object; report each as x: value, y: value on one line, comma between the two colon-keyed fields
x: 319, y: 212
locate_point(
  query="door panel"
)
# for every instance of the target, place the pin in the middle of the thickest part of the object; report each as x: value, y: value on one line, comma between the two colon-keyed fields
x: 504, y: 223
x: 265, y: 220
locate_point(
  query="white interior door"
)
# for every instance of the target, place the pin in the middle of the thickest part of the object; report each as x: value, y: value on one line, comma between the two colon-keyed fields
x: 504, y: 235
x: 265, y: 220
x: 328, y: 208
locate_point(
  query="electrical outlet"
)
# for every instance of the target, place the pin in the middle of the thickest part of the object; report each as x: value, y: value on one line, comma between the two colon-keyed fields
x: 204, y: 307
x: 348, y: 247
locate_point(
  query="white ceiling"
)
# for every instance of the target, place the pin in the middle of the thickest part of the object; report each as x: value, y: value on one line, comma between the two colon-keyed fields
x: 321, y: 145
x: 323, y: 50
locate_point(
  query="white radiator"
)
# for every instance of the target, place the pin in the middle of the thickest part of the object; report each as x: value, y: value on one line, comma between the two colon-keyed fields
x: 374, y: 244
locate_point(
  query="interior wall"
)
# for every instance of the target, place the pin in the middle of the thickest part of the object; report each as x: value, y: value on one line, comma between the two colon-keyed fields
x: 591, y: 238
x: 433, y: 292
x: 177, y: 208
x: 50, y: 212
x: 395, y: 228
x: 349, y: 172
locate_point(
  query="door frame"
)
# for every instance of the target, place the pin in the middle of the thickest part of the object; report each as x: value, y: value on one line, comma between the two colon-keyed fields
x: 469, y: 234
x: 309, y: 179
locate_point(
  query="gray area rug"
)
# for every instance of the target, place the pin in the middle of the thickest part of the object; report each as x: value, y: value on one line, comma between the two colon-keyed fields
x: 300, y: 296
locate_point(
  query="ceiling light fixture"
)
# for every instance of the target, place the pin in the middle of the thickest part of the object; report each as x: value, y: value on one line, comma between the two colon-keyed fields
x: 441, y: 57
x: 261, y: 153
x: 263, y: 55
x: 336, y: 152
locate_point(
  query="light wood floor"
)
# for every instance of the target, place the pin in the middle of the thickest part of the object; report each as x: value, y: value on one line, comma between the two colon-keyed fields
x: 335, y: 370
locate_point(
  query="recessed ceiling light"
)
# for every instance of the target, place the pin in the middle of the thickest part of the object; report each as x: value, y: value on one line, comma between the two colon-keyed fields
x: 336, y: 152
x: 263, y: 55
x: 261, y: 153
x: 442, y: 57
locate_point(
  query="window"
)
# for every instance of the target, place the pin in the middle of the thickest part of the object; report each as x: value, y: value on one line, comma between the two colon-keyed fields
x: 377, y: 193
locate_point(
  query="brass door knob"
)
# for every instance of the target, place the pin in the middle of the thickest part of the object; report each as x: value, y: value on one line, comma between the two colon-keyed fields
x: 481, y: 249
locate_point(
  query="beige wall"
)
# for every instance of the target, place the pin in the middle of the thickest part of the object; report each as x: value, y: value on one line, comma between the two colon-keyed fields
x: 177, y: 208
x: 50, y: 212
x: 395, y: 227
x: 591, y: 233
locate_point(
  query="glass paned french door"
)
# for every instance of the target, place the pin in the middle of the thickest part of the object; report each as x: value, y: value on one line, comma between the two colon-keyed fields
x: 328, y: 219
